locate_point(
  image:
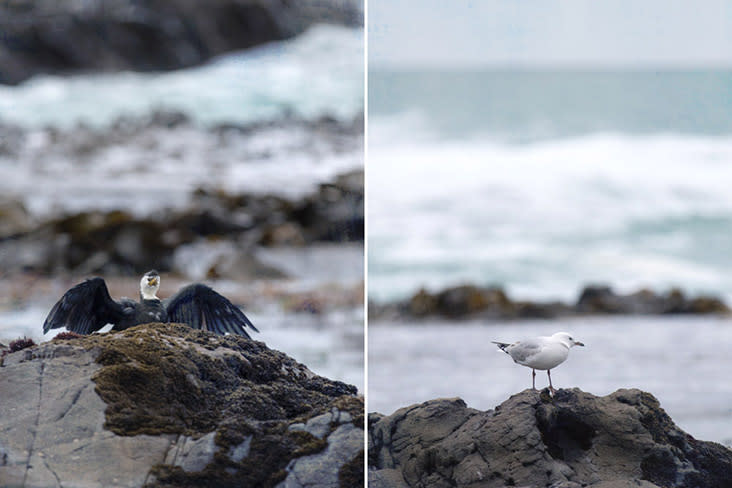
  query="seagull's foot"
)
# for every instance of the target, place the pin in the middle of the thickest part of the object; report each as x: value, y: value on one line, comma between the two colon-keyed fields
x: 552, y: 391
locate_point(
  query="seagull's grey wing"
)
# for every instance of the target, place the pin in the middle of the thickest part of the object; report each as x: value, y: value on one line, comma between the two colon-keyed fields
x: 522, y: 351
x: 85, y: 308
x: 202, y: 308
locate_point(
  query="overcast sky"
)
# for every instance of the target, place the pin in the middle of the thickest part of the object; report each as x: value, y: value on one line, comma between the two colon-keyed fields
x: 550, y: 32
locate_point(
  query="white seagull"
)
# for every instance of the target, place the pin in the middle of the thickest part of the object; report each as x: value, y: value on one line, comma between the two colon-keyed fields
x: 544, y: 353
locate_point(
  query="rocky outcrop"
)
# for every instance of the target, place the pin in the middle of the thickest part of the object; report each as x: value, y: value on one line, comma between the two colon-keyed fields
x: 117, y: 242
x: 67, y: 35
x: 468, y: 301
x: 124, y: 242
x: 572, y: 440
x: 165, y: 405
x: 602, y: 299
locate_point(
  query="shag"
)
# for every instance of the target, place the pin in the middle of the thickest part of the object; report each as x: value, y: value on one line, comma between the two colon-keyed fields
x: 87, y: 307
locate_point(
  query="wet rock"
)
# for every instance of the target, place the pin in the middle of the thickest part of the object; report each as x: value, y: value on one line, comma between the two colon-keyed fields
x: 459, y: 301
x: 221, y: 230
x: 470, y: 301
x: 112, y: 35
x: 171, y: 406
x: 574, y: 439
x: 602, y: 299
x: 334, y: 213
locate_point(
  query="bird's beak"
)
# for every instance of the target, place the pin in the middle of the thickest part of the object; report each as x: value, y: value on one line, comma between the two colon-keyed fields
x: 152, y: 281
x: 578, y: 343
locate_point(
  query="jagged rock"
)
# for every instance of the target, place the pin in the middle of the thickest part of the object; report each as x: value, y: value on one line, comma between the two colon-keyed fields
x: 574, y: 439
x: 68, y: 35
x: 167, y: 405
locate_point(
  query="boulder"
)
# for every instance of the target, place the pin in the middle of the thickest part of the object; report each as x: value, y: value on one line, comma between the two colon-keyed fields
x: 52, y: 36
x: 166, y: 405
x: 460, y: 301
x: 573, y: 439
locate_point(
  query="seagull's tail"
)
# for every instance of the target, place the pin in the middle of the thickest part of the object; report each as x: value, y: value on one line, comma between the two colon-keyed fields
x: 501, y: 345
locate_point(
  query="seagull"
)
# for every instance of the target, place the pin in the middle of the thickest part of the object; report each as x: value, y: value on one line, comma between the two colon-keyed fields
x: 87, y: 307
x: 544, y: 353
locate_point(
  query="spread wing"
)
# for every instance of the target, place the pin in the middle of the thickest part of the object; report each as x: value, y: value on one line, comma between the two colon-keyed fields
x: 202, y: 308
x: 85, y: 308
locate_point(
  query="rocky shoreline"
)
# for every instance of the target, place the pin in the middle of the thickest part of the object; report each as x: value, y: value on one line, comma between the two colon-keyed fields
x: 165, y: 405
x: 571, y: 440
x: 113, y: 35
x: 492, y: 303
x: 121, y: 241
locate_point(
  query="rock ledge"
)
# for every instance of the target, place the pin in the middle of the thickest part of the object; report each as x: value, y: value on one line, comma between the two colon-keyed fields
x: 572, y: 440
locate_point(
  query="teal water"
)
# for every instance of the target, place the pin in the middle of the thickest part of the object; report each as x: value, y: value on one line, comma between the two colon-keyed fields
x: 529, y: 105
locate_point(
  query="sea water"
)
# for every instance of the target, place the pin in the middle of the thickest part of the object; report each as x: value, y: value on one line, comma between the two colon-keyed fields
x: 317, y: 74
x: 542, y: 182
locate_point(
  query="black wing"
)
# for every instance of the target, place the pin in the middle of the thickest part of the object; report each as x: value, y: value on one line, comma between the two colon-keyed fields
x: 202, y: 308
x: 85, y: 308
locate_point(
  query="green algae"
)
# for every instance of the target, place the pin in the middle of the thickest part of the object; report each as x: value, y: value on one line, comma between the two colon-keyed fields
x: 171, y: 379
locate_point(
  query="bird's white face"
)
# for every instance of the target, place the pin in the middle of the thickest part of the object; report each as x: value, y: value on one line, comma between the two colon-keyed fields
x: 567, y: 338
x: 149, y: 285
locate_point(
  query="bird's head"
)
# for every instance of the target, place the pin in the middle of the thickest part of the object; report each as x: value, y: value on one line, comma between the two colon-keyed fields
x: 567, y: 339
x: 149, y: 285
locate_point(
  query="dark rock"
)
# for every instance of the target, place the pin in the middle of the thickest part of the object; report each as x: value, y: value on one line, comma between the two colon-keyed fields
x: 602, y: 299
x: 470, y: 301
x: 573, y: 439
x: 459, y: 301
x: 111, y: 35
x: 172, y: 406
x: 119, y: 243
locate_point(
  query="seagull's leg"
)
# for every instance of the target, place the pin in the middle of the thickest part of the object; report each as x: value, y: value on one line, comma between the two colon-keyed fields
x: 549, y: 374
x: 533, y: 379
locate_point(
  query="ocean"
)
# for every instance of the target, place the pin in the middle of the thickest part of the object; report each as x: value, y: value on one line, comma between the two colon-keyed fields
x: 317, y: 73
x: 544, y: 181
x: 76, y: 152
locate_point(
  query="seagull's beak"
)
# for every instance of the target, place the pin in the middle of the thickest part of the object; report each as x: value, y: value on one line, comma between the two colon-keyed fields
x: 152, y: 281
x: 578, y: 343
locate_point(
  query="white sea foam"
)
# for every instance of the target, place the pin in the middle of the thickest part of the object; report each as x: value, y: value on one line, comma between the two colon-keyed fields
x: 545, y: 217
x: 319, y: 72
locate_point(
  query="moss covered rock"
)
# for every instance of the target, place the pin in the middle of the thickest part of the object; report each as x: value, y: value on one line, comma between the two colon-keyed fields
x: 167, y: 405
